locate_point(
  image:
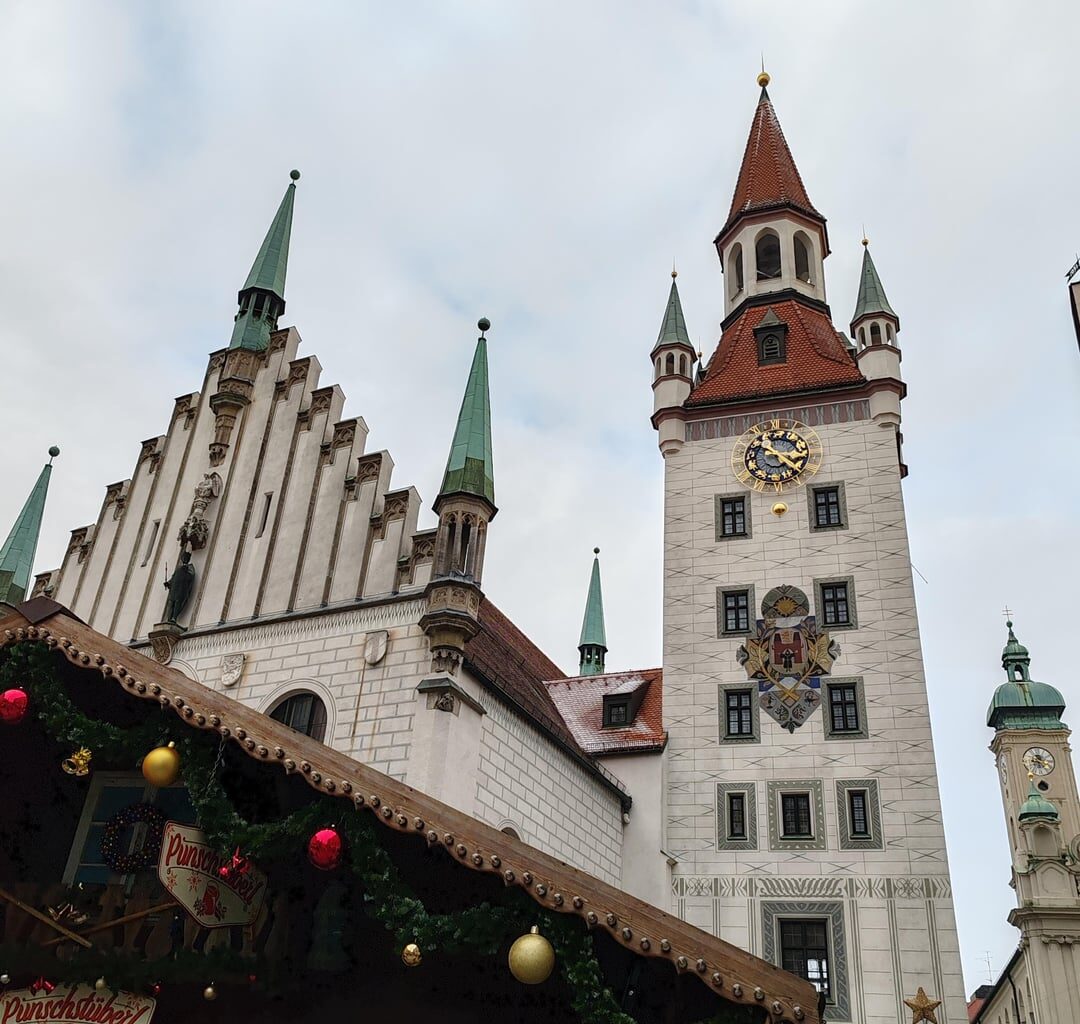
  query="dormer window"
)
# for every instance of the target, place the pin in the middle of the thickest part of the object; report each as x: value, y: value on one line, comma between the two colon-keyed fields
x: 771, y: 349
x: 771, y: 335
x: 616, y: 712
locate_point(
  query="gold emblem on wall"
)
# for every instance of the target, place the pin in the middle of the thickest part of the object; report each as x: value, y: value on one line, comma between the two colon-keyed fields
x: 776, y: 453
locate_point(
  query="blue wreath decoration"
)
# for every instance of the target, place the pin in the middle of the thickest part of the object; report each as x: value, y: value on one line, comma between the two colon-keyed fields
x: 145, y: 855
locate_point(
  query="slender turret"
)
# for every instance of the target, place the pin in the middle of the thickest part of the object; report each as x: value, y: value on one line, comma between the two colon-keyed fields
x: 593, y: 643
x: 17, y: 554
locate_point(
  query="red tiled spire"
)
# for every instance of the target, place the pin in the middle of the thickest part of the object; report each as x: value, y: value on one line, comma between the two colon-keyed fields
x: 768, y: 178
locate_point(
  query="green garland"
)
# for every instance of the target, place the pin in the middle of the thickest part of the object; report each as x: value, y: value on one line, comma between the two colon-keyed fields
x: 481, y: 929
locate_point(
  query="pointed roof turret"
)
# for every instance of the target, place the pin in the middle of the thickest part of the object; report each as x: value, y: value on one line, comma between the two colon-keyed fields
x: 768, y: 177
x: 1036, y: 806
x: 469, y: 467
x: 593, y: 642
x: 1023, y: 702
x: 262, y: 299
x: 17, y: 554
x: 673, y: 327
x: 872, y: 300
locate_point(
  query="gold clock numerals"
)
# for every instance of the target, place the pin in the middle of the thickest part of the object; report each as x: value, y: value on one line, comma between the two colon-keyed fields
x: 776, y: 453
x: 1039, y: 761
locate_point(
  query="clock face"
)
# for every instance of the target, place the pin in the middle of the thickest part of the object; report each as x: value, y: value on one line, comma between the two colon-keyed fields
x: 776, y: 454
x: 1039, y: 761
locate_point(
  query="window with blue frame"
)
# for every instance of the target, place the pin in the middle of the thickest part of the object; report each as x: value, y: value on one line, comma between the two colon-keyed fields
x: 109, y: 793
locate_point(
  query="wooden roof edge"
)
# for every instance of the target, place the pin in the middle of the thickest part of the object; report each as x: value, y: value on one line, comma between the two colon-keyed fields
x: 730, y: 972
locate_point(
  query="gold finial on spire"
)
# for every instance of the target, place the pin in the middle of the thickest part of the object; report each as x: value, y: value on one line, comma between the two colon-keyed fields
x: 865, y: 240
x: 763, y: 78
x: 674, y: 272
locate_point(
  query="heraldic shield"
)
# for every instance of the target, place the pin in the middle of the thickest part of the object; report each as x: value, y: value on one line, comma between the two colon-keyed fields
x: 787, y: 658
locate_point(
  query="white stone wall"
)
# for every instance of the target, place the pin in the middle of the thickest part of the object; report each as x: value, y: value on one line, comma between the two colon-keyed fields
x: 892, y: 905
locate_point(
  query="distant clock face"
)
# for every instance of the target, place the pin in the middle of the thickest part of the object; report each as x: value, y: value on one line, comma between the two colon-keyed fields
x: 1039, y: 761
x: 776, y: 454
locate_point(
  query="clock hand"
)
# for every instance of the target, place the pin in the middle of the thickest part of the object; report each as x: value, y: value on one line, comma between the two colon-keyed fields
x: 782, y: 456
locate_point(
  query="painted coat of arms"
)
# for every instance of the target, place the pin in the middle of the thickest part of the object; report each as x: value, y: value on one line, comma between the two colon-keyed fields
x: 787, y: 658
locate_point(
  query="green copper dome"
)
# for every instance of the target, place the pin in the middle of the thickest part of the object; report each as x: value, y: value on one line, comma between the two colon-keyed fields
x: 1037, y: 806
x: 1022, y: 702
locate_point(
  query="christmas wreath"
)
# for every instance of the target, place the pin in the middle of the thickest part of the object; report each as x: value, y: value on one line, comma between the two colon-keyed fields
x: 145, y: 855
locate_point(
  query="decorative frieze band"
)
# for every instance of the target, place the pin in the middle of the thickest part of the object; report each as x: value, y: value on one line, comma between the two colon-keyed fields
x: 811, y: 415
x: 813, y: 886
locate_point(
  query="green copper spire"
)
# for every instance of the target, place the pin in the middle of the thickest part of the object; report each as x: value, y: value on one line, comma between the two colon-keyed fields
x: 262, y: 299
x: 1023, y: 702
x: 593, y: 642
x: 673, y: 329
x: 872, y: 298
x: 17, y: 554
x: 1036, y: 805
x: 469, y: 468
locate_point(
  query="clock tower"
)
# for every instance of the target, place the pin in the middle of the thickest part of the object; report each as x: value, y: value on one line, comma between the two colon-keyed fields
x: 1042, y: 812
x: 802, y: 814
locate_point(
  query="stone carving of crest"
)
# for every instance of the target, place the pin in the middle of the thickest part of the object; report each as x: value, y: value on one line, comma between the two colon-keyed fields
x: 232, y: 668
x: 787, y: 657
x: 196, y: 528
x: 375, y: 646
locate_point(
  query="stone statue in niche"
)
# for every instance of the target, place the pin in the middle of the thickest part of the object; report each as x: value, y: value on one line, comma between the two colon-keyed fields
x: 180, y: 586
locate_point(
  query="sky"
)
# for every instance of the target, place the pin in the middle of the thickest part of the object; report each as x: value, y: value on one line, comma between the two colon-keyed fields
x: 542, y: 164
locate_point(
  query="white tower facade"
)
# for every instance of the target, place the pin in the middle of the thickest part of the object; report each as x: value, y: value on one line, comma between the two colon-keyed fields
x: 803, y: 815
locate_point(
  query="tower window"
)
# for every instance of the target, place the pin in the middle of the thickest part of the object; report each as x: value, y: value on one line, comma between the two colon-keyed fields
x: 844, y: 708
x: 802, y: 258
x: 669, y: 364
x: 736, y: 816
x: 836, y: 603
x: 267, y: 499
x: 875, y: 334
x: 828, y: 509
x: 804, y: 950
x: 616, y: 713
x: 771, y: 349
x: 795, y: 818
x: 740, y: 720
x: 153, y: 540
x: 889, y: 336
x: 767, y: 252
x: 736, y: 611
x: 736, y: 284
x: 732, y: 518
x: 858, y: 818
x: 303, y: 712
x: 682, y: 365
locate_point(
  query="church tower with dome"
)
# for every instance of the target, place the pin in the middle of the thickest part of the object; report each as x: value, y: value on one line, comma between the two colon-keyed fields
x: 1042, y: 814
x: 802, y: 808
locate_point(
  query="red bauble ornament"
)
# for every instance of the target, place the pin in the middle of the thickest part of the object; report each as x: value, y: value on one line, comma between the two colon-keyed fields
x: 13, y: 705
x: 324, y: 849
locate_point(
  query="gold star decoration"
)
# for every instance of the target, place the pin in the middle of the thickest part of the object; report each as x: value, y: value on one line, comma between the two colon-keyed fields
x: 922, y: 1007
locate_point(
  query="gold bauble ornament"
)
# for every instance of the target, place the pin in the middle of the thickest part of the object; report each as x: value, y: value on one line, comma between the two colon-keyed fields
x: 411, y: 956
x: 779, y: 508
x: 531, y: 958
x: 209, y: 993
x: 161, y: 767
x: 101, y: 984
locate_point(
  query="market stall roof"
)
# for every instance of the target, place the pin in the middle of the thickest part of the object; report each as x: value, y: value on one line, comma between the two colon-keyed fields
x: 731, y: 973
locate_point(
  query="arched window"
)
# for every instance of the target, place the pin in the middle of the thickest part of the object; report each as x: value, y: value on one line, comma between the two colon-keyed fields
x: 771, y: 349
x: 862, y: 337
x: 682, y: 365
x: 507, y: 830
x: 767, y: 253
x: 802, y: 257
x: 875, y: 334
x: 303, y: 712
x: 657, y: 366
x: 889, y: 334
x: 736, y: 266
x: 669, y: 363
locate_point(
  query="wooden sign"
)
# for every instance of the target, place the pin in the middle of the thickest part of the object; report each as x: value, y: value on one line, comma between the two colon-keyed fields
x: 190, y: 869
x: 75, y: 1004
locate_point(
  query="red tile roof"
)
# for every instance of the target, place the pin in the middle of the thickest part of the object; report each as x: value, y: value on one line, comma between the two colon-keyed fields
x: 514, y: 665
x: 580, y: 700
x: 768, y: 177
x: 816, y: 357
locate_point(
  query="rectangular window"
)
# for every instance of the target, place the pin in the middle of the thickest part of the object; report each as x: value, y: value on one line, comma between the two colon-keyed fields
x: 109, y: 794
x: 858, y: 819
x: 736, y: 815
x: 844, y: 708
x: 795, y: 816
x: 739, y: 717
x: 827, y: 507
x: 617, y: 712
x: 736, y: 611
x: 804, y: 950
x: 153, y: 540
x: 834, y: 604
x: 733, y: 517
x: 268, y: 498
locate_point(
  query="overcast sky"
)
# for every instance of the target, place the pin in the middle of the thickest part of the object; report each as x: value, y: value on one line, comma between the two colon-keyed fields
x: 542, y: 164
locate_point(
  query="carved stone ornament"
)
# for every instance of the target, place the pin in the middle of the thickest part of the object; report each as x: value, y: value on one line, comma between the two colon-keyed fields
x: 445, y: 701
x: 232, y: 668
x: 375, y: 646
x: 196, y: 528
x: 163, y: 640
x: 445, y: 659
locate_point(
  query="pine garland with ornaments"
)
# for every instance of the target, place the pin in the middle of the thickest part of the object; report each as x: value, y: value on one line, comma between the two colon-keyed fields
x: 336, y: 837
